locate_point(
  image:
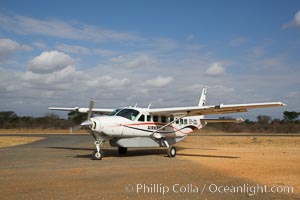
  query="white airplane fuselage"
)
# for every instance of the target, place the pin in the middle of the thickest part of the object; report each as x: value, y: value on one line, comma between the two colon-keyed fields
x: 143, y: 126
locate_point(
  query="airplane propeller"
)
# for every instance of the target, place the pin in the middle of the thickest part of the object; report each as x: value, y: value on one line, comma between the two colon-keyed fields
x: 87, y: 123
x: 90, y: 112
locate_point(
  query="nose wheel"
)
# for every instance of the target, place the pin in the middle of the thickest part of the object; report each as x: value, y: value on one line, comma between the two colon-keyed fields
x: 97, y: 154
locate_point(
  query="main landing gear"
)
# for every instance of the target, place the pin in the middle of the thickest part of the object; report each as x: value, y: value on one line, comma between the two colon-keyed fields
x: 171, y: 149
x: 171, y: 152
x: 97, y: 154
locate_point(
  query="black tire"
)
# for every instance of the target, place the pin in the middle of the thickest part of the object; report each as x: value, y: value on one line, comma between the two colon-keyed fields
x: 97, y: 156
x: 172, y: 152
x: 122, y: 150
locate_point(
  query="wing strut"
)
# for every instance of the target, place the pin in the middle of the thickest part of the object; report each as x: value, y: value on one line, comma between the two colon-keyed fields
x: 157, y: 135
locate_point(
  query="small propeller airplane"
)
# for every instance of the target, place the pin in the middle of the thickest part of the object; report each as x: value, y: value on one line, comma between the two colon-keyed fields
x: 153, y: 127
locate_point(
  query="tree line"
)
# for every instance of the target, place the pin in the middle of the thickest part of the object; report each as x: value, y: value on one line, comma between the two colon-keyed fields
x: 289, y: 124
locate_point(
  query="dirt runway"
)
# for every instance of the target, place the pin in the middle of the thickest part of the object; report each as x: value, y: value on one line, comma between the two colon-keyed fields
x: 60, y: 167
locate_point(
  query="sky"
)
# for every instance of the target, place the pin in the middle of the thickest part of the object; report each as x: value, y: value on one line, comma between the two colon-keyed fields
x: 122, y: 53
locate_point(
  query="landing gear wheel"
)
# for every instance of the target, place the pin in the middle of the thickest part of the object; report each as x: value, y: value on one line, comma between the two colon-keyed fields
x: 122, y: 150
x: 97, y: 155
x: 172, y: 152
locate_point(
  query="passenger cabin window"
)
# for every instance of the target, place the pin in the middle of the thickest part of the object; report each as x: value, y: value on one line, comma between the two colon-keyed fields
x: 155, y: 118
x: 148, y: 118
x: 171, y: 119
x: 185, y: 121
x: 142, y: 118
x: 177, y: 121
x: 181, y: 121
x: 163, y: 119
x: 130, y: 114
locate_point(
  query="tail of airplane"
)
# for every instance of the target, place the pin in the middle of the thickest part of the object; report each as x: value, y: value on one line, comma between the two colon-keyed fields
x: 202, y: 99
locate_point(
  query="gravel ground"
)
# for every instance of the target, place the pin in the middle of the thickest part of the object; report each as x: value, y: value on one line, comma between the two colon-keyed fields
x: 60, y: 167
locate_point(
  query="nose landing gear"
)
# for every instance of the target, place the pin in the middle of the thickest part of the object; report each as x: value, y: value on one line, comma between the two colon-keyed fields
x: 97, y: 154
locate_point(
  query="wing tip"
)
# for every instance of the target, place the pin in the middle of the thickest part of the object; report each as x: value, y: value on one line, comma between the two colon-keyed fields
x: 282, y: 104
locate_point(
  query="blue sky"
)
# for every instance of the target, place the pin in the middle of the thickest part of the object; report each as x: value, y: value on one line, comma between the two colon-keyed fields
x: 60, y: 53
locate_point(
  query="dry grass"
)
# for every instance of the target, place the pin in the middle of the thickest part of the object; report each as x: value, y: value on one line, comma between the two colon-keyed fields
x: 266, y: 160
x: 9, y: 141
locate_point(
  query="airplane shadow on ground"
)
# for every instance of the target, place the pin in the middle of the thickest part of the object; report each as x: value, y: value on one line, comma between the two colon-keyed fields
x: 201, y: 155
x: 207, y: 156
x: 204, y: 149
x: 130, y: 153
x: 71, y: 148
x: 140, y: 152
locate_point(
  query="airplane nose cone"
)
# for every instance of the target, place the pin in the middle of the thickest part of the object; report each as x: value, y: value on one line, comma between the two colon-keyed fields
x: 96, y: 125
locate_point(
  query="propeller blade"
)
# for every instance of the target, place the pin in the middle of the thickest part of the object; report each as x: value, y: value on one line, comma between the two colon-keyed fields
x: 90, y: 112
x: 76, y: 128
x: 87, y: 123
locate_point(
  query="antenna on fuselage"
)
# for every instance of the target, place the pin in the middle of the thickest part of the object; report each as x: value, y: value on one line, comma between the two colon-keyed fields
x: 149, y: 105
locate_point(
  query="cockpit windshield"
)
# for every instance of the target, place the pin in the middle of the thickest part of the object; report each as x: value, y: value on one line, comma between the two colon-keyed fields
x: 113, y: 113
x: 130, y: 114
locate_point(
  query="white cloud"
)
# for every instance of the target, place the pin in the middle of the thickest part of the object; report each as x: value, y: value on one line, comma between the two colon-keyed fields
x: 111, y: 82
x: 139, y: 62
x: 61, y: 29
x: 40, y: 45
x: 294, y: 23
x: 57, y: 80
x: 9, y: 47
x: 215, y: 69
x: 50, y: 61
x: 75, y: 49
x: 159, y: 81
x: 133, y: 61
x: 69, y: 77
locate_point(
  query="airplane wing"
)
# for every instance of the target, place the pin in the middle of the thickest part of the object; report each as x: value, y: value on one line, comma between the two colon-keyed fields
x: 237, y: 120
x: 214, y: 109
x: 84, y: 110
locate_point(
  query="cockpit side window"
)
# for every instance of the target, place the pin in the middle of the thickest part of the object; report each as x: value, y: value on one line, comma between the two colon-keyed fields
x: 142, y: 118
x: 130, y: 114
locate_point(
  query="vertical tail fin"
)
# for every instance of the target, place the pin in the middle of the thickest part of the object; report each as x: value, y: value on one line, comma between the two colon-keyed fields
x: 202, y: 99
